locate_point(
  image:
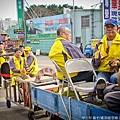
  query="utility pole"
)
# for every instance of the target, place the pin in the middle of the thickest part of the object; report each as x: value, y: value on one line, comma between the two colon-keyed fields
x: 73, y: 25
x: 24, y: 22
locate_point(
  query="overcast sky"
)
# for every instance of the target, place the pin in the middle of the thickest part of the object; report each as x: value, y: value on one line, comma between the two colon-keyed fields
x: 8, y: 7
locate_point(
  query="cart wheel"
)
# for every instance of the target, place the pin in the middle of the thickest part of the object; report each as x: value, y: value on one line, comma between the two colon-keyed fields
x: 47, y: 114
x: 8, y: 103
x: 31, y: 115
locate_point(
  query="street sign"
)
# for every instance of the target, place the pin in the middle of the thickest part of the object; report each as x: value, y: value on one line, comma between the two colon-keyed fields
x: 18, y: 31
x: 21, y: 36
x: 20, y: 14
x: 111, y: 9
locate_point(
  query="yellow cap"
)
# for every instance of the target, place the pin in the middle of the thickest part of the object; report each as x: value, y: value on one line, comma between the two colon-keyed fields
x: 27, y: 48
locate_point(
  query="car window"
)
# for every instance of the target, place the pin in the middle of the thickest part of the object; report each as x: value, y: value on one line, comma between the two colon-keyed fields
x: 88, y: 46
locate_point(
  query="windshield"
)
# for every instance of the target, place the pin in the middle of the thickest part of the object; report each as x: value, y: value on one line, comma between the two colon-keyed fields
x: 88, y: 46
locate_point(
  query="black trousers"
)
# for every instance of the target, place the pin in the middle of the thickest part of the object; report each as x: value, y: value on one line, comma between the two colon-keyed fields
x: 87, y: 75
x: 112, y: 100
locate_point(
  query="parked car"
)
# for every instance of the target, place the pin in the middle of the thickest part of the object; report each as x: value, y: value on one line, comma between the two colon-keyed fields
x: 88, y: 51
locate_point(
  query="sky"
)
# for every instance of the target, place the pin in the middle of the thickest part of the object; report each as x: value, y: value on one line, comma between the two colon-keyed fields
x: 8, y: 8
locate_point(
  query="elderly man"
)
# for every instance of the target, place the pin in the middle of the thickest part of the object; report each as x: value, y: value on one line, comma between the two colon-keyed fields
x: 62, y: 50
x: 107, y: 54
x: 31, y: 61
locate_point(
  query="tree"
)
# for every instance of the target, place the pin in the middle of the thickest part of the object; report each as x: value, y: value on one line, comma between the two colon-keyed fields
x: 35, y: 11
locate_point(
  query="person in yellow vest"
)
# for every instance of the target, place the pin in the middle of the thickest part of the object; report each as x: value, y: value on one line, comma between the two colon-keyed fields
x: 31, y: 61
x: 2, y: 59
x: 18, y: 70
x: 62, y: 50
x: 106, y: 57
x: 18, y: 65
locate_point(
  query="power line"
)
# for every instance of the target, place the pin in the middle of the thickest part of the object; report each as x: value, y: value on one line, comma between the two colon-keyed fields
x: 28, y: 15
x: 31, y: 10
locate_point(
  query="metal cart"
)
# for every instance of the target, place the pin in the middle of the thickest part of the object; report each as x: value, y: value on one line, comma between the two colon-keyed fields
x: 20, y: 92
x: 68, y: 108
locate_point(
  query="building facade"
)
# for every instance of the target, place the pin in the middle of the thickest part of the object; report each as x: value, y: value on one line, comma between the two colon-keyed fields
x: 88, y: 24
x: 7, y: 23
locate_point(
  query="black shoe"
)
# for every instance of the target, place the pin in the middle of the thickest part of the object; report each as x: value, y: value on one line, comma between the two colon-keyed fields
x: 100, y: 86
x: 0, y: 86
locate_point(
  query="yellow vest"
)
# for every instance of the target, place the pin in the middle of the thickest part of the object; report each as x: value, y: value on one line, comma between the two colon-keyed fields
x: 56, y: 54
x: 3, y: 58
x: 34, y: 66
x: 19, y: 66
x: 114, y: 52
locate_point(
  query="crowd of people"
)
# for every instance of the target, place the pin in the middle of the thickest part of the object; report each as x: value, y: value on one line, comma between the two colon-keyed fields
x: 23, y: 64
x: 106, y: 61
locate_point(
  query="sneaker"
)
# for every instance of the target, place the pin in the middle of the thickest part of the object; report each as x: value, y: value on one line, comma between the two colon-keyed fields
x: 0, y: 86
x: 100, y: 86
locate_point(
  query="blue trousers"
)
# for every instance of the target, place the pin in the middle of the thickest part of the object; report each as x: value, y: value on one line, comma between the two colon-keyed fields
x: 108, y: 76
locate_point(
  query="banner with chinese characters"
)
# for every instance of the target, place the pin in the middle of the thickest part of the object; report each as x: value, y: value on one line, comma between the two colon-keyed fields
x: 38, y: 29
x: 111, y: 9
x: 35, y: 38
x: 47, y: 24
